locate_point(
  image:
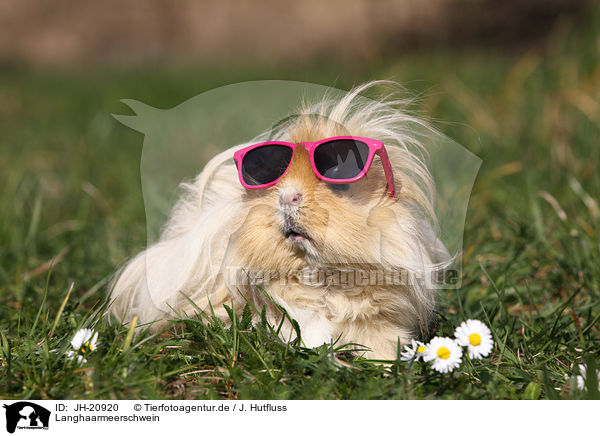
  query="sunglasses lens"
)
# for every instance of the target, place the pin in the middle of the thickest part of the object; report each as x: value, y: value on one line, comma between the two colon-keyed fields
x: 341, y: 159
x: 265, y: 164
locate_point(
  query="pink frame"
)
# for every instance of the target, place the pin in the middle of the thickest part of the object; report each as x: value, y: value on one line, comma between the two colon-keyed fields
x: 375, y: 148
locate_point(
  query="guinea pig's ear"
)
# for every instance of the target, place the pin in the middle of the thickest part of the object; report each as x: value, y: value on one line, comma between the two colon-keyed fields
x: 380, y: 220
x: 405, y: 238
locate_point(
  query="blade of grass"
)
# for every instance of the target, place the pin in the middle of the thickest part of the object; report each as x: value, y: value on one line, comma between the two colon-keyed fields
x: 60, y: 310
x: 129, y: 336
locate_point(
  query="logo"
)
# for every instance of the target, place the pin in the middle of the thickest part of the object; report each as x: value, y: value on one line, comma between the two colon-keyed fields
x: 26, y: 415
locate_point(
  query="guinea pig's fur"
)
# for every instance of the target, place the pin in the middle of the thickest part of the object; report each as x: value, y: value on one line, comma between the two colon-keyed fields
x: 227, y: 245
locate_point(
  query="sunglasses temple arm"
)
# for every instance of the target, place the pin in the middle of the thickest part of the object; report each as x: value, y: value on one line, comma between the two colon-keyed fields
x: 389, y: 173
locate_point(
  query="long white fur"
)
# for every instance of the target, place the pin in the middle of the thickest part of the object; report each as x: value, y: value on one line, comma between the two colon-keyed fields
x: 188, y: 260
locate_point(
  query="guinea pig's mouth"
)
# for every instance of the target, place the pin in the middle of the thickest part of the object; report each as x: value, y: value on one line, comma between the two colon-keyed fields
x: 295, y: 234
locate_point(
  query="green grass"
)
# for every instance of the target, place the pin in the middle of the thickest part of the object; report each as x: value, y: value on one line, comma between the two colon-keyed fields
x: 70, y: 191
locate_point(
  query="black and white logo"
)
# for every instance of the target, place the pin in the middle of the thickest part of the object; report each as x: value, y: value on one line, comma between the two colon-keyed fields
x: 26, y: 415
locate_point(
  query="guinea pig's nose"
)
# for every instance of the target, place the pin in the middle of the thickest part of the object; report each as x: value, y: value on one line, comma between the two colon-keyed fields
x: 290, y: 197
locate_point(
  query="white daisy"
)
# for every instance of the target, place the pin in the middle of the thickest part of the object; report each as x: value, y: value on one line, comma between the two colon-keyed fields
x: 581, y: 378
x: 444, y: 353
x: 84, y: 342
x: 73, y: 355
x: 476, y: 336
x: 413, y: 351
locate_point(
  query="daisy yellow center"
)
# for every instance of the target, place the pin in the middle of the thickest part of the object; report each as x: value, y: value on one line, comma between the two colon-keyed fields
x: 86, y: 347
x: 421, y: 349
x: 474, y: 339
x: 443, y: 353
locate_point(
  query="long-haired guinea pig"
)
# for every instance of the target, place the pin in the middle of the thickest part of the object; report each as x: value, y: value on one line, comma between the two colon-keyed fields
x: 328, y: 216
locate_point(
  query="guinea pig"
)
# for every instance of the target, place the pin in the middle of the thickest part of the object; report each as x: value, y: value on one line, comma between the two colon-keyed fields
x: 340, y: 236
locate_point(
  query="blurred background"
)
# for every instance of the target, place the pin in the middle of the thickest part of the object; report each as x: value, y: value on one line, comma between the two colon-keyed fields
x: 515, y: 82
x: 111, y: 32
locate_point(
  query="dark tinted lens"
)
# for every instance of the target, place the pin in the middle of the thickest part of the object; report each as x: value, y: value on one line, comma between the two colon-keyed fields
x: 341, y: 159
x: 265, y: 164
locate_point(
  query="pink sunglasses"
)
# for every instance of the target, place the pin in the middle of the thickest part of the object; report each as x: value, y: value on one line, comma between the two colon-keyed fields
x: 341, y: 159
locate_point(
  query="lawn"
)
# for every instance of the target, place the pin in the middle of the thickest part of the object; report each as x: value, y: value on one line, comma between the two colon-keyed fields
x: 72, y: 212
